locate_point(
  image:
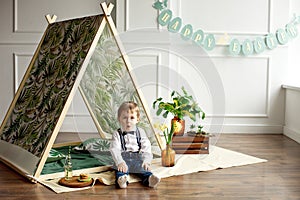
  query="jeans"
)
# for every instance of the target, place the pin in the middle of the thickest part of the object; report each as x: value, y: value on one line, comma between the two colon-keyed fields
x: 134, y: 162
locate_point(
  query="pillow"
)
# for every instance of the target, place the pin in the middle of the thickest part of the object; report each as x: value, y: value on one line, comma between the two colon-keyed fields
x: 54, y: 155
x: 94, y: 144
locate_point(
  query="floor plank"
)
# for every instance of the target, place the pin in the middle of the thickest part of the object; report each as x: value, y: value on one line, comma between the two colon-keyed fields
x: 279, y: 178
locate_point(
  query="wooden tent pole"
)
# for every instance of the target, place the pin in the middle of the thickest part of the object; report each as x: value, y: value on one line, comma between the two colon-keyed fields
x: 106, y: 11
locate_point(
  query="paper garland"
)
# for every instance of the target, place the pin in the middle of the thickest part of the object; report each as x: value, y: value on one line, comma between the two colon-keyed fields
x: 208, y: 42
x: 174, y: 25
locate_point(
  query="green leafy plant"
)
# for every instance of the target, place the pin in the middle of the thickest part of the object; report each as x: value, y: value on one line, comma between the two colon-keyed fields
x: 181, y: 105
x: 197, y: 131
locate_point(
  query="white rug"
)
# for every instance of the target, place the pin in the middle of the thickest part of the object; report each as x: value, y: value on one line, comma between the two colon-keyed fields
x: 185, y: 164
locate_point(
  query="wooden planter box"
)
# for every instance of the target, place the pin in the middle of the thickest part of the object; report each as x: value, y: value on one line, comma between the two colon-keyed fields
x: 191, y: 145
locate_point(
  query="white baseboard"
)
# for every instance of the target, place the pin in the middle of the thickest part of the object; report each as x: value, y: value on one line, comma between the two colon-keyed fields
x: 251, y: 129
x: 293, y: 134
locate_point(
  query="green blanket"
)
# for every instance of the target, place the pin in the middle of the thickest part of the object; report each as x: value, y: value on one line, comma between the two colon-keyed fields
x: 80, y: 159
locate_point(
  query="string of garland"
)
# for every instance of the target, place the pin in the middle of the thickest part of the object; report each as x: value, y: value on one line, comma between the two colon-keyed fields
x: 235, y: 47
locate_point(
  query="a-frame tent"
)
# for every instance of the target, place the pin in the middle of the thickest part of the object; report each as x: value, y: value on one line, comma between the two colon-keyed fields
x: 72, y: 54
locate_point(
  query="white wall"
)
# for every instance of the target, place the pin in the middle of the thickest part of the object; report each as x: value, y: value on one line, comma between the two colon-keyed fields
x: 239, y: 94
x: 294, y: 49
x: 253, y: 99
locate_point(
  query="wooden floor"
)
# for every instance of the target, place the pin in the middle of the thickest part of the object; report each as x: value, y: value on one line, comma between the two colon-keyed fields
x: 279, y: 178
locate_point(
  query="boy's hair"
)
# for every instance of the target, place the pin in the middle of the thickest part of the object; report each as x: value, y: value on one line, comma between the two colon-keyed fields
x: 129, y: 106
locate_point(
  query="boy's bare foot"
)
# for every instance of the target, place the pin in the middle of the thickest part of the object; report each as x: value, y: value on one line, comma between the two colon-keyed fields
x: 122, y: 181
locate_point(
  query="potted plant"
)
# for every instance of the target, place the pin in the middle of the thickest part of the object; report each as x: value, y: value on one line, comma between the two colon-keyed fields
x: 196, y: 131
x: 182, y: 105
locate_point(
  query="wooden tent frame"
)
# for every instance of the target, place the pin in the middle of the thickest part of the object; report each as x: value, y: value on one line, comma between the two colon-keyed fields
x: 24, y: 161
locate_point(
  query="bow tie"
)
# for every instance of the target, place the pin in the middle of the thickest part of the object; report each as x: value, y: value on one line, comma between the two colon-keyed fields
x: 129, y: 132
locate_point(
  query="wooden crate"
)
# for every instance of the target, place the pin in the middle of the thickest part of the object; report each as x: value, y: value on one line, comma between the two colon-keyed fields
x: 190, y: 145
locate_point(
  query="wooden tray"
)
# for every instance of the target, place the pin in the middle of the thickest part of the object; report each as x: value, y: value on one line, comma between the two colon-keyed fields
x: 75, y: 183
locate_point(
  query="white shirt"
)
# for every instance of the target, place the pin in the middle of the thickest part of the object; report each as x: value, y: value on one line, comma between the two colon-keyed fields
x: 131, y: 146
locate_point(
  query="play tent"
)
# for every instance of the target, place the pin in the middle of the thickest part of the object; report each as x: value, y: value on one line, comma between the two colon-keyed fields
x: 82, y: 54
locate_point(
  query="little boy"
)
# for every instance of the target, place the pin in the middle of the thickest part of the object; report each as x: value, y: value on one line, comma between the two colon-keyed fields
x: 131, y: 148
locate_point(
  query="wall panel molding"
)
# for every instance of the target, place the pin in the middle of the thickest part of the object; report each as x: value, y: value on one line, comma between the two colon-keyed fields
x: 262, y: 10
x: 18, y: 71
x: 126, y: 25
x: 144, y: 80
x: 127, y: 22
x: 16, y: 28
x: 266, y: 98
x: 29, y: 15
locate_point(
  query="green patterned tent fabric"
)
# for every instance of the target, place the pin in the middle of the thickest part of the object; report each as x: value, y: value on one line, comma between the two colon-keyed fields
x: 49, y: 83
x: 106, y: 84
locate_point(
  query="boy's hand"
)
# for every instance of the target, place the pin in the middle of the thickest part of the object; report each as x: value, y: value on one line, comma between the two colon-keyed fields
x: 146, y: 166
x: 122, y: 167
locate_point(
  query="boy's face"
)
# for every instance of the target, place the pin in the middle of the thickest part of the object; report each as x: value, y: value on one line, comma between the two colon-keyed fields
x: 128, y: 120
